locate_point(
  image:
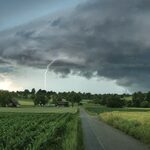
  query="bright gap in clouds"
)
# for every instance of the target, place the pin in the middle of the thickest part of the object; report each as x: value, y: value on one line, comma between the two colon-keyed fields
x: 7, y: 84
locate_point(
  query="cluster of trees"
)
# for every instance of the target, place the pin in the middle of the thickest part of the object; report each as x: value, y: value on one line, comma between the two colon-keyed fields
x: 5, y: 98
x: 42, y: 97
x: 137, y: 99
x: 140, y: 99
x: 109, y: 100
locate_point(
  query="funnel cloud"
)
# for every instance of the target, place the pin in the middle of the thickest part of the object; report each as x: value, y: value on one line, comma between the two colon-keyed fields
x: 45, y: 74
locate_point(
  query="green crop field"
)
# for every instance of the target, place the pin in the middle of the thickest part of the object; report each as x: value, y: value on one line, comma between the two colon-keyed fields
x: 53, y: 131
x: 39, y: 109
x: 97, y: 109
x: 136, y: 124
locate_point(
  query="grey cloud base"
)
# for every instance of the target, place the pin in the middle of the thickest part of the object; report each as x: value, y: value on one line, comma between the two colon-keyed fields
x: 108, y: 38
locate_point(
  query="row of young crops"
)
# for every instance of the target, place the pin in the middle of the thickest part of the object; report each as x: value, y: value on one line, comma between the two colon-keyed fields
x: 35, y: 131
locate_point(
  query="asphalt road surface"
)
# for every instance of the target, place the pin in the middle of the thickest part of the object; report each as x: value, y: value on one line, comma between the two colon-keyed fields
x: 100, y: 136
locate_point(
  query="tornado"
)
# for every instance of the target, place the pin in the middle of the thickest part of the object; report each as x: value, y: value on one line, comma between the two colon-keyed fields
x: 45, y: 74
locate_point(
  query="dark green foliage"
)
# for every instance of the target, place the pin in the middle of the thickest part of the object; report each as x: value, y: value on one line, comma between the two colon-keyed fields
x: 33, y: 91
x: 40, y: 98
x: 145, y: 104
x: 147, y: 98
x: 56, y: 99
x: 140, y: 99
x: 137, y: 98
x: 74, y: 98
x: 115, y: 101
x: 26, y: 93
x: 5, y: 98
x: 128, y: 103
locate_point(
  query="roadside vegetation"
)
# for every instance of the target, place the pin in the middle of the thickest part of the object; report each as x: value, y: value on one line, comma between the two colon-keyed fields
x: 132, y: 121
x: 74, y: 137
x: 136, y: 124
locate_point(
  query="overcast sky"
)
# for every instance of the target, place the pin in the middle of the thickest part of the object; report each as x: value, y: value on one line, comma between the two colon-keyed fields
x: 99, y: 46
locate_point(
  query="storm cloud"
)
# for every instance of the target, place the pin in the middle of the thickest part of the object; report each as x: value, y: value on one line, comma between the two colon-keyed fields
x: 104, y: 38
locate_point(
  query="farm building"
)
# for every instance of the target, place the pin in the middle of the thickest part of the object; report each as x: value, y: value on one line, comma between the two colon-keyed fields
x: 13, y: 103
x: 63, y: 103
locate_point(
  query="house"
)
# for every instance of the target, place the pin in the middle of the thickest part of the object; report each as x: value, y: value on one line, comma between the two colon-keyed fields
x: 62, y: 103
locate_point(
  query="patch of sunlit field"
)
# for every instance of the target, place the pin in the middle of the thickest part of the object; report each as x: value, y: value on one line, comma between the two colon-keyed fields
x: 40, y: 109
x: 136, y: 124
x: 26, y: 103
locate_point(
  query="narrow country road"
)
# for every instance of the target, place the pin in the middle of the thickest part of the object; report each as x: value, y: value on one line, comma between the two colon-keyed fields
x: 100, y: 136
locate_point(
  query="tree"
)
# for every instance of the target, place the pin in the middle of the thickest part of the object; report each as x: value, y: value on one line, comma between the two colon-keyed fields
x: 115, y: 101
x: 74, y: 98
x: 56, y: 98
x: 26, y: 93
x: 147, y: 98
x: 77, y: 98
x: 5, y: 98
x: 33, y: 91
x: 40, y: 99
x: 138, y: 98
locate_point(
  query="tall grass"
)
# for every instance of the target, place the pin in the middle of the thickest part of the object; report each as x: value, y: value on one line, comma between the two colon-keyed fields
x: 74, y: 138
x: 136, y: 124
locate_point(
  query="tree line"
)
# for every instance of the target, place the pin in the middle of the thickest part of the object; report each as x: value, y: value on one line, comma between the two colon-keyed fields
x: 42, y: 98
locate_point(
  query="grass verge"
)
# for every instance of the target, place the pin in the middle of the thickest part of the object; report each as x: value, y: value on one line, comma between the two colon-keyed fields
x: 74, y: 137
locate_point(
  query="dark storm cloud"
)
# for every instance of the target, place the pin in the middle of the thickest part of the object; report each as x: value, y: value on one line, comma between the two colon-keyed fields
x: 107, y: 38
x: 3, y: 62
